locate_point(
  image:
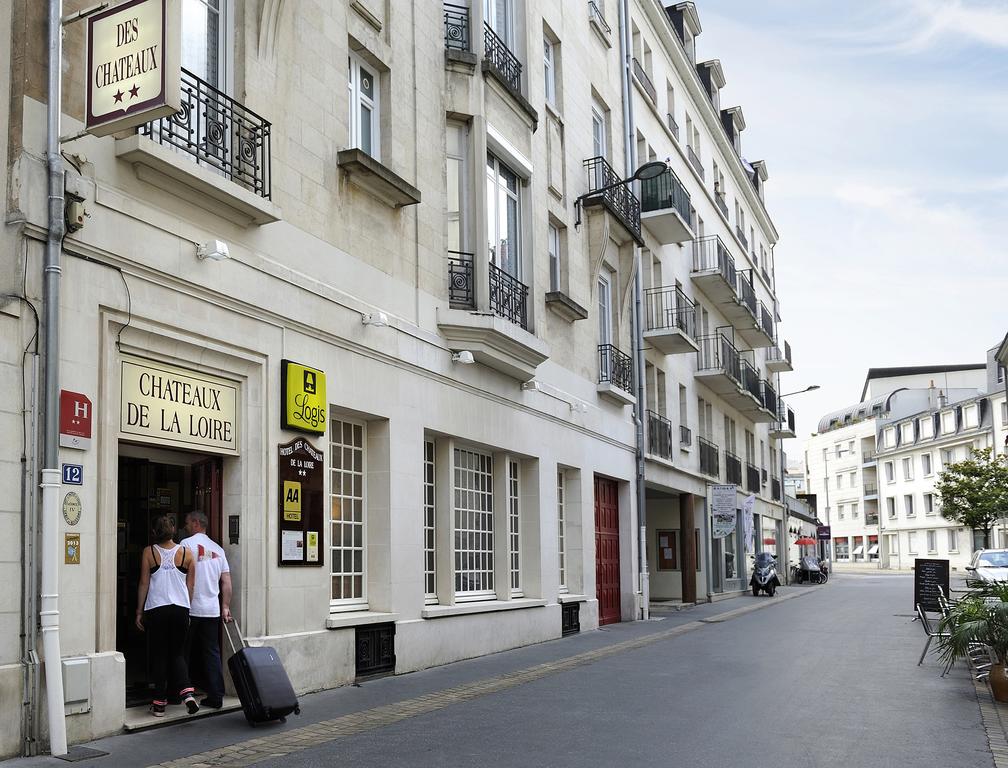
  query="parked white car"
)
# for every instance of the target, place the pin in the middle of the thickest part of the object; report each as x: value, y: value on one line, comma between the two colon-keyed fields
x: 988, y: 565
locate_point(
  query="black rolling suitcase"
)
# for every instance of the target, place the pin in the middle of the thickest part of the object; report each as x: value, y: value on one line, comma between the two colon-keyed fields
x: 262, y: 684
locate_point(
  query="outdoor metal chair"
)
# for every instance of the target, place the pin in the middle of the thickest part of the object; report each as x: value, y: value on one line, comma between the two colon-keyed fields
x: 931, y: 633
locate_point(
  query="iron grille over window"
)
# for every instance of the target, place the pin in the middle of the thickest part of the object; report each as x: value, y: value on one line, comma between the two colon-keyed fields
x: 746, y: 292
x: 694, y: 160
x: 741, y: 236
x: 645, y: 81
x: 615, y: 367
x: 708, y: 458
x: 456, y: 27
x: 508, y: 296
x: 620, y: 199
x: 775, y: 489
x: 460, y: 280
x: 733, y: 468
x: 219, y: 133
x: 721, y: 204
x: 595, y: 13
x: 670, y: 308
x: 672, y: 125
x: 504, y: 62
x: 685, y: 435
x: 752, y: 478
x: 659, y: 435
x: 666, y: 191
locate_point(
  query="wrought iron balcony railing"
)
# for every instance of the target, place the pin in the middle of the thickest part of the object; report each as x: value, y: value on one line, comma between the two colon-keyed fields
x: 752, y: 478
x: 461, y: 285
x: 645, y: 81
x: 733, y: 468
x: 746, y: 292
x: 508, y: 297
x: 740, y: 234
x: 718, y: 354
x: 685, y: 435
x: 669, y: 308
x: 766, y: 320
x: 868, y: 456
x: 595, y: 13
x: 659, y: 436
x: 694, y: 160
x: 710, y: 254
x: 750, y: 380
x: 615, y: 367
x: 721, y: 204
x: 217, y: 132
x: 776, y: 354
x: 870, y: 489
x: 785, y: 416
x: 769, y: 397
x: 666, y: 191
x: 709, y: 464
x: 620, y: 199
x: 504, y: 62
x: 775, y: 489
x: 672, y: 125
x: 456, y: 27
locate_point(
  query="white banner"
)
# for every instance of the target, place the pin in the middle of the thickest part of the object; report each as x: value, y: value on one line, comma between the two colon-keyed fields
x: 723, y: 510
x: 747, y: 520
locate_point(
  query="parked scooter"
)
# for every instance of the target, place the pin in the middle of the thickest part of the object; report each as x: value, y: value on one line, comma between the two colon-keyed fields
x: 811, y: 569
x: 764, y: 574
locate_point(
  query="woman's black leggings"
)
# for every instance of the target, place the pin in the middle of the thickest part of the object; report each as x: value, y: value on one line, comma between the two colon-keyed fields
x: 166, y: 627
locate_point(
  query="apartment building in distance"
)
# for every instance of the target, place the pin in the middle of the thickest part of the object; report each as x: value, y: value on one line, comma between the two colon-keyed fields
x: 395, y: 253
x: 875, y: 465
x: 711, y: 346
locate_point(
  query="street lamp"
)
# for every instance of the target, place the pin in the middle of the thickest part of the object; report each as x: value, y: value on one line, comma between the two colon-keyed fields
x: 650, y: 170
x: 809, y: 388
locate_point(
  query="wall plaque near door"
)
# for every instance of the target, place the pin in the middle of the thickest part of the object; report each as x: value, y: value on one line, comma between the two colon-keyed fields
x: 301, y: 523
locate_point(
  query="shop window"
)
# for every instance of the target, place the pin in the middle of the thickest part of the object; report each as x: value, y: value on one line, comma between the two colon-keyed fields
x: 348, y: 514
x: 473, y: 525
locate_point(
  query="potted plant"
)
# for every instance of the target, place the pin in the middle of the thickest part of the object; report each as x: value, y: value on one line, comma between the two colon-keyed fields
x: 979, y: 618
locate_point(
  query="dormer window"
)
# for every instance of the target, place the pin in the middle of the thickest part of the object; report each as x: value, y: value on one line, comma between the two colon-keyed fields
x: 689, y: 45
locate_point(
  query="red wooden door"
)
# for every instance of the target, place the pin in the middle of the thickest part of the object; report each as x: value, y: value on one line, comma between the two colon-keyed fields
x: 607, y: 558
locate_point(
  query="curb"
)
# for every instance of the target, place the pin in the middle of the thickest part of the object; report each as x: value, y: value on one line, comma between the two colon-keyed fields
x: 759, y: 606
x: 992, y: 713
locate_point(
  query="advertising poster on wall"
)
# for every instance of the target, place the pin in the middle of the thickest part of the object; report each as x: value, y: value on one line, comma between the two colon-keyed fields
x: 723, y: 510
x: 747, y: 520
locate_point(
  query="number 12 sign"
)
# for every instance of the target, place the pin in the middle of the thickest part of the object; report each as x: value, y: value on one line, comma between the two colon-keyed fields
x: 73, y: 474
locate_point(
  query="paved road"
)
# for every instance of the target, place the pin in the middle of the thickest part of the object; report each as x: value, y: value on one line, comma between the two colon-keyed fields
x: 828, y: 678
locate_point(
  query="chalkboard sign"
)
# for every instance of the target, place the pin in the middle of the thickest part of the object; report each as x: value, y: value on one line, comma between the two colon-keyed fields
x: 929, y: 575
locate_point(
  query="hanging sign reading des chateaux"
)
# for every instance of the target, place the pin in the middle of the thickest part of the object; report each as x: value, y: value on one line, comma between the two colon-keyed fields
x: 133, y: 65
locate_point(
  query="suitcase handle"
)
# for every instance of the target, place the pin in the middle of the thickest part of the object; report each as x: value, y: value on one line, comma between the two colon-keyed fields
x: 227, y: 631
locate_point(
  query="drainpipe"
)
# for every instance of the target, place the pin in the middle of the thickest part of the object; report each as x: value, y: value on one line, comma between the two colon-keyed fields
x: 29, y: 564
x: 49, y: 613
x: 636, y: 318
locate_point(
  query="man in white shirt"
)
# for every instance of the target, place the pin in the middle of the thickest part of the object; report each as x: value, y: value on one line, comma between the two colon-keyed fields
x: 210, y: 601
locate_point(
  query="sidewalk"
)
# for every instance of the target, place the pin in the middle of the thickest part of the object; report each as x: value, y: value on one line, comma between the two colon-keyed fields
x: 334, y: 714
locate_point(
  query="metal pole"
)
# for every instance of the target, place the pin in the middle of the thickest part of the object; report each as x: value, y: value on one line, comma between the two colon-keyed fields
x: 49, y: 613
x: 636, y: 329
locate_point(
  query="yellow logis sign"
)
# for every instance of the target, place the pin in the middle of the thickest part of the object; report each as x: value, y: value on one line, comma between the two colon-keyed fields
x: 175, y: 407
x: 133, y: 58
x: 304, y: 393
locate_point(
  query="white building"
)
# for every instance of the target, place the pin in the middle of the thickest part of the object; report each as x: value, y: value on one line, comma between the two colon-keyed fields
x: 874, y: 465
x: 417, y: 211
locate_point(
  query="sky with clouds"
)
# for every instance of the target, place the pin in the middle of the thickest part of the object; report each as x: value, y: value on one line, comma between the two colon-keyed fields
x: 884, y: 125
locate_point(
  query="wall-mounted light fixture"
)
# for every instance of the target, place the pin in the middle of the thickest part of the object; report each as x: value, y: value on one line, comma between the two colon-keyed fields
x: 217, y: 250
x: 465, y: 357
x: 531, y: 386
x: 375, y: 319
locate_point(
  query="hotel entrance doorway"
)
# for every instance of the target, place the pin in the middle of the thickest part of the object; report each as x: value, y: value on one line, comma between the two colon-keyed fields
x: 154, y: 482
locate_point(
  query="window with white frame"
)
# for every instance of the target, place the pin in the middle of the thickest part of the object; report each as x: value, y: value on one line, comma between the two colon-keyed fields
x: 473, y: 525
x: 908, y: 505
x: 430, y: 557
x: 600, y: 141
x: 363, y: 89
x: 605, y: 308
x: 953, y: 540
x: 912, y: 542
x: 891, y: 507
x: 1004, y: 413
x: 562, y: 529
x: 854, y: 511
x: 503, y: 217
x: 926, y: 464
x: 500, y: 16
x: 205, y: 40
x: 932, y: 541
x: 906, y: 432
x: 457, y: 204
x: 947, y: 456
x: 839, y: 481
x: 840, y: 511
x: 907, y: 469
x: 852, y: 477
x: 549, y: 70
x: 971, y: 415
x: 348, y: 527
x: 948, y: 422
x: 553, y: 247
x: 514, y: 528
x: 929, y: 508
x: 890, y: 472
x: 889, y: 437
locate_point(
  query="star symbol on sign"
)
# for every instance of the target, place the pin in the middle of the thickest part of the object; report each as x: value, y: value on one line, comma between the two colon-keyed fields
x: 117, y: 95
x: 134, y: 91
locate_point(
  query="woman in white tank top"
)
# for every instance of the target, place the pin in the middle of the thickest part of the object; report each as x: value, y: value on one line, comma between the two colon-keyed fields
x: 167, y: 579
